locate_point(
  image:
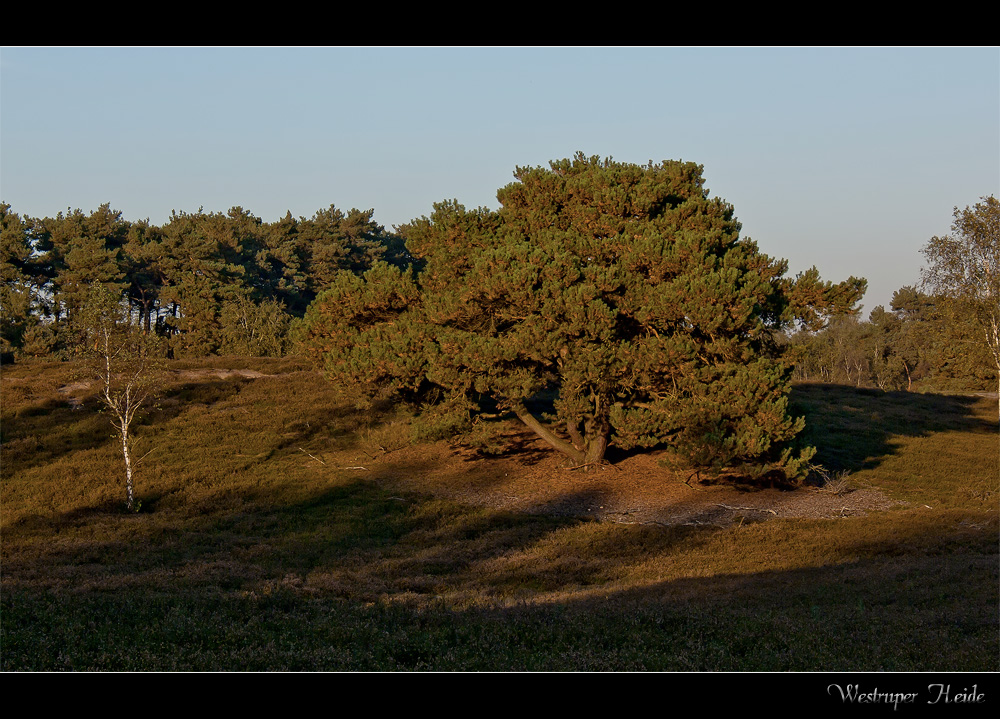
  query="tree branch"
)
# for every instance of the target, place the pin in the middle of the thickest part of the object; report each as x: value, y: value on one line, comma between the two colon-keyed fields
x: 542, y: 431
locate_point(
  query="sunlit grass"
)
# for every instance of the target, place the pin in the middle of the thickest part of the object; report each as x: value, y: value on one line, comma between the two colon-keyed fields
x: 261, y: 547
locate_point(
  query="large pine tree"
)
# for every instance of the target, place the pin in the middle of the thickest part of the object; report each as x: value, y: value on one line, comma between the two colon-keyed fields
x: 620, y: 295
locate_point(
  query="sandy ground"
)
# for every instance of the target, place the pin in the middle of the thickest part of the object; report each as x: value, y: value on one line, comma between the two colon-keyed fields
x: 635, y: 489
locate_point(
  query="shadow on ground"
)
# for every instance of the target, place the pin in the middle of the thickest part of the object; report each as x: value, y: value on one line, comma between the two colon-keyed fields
x: 852, y: 428
x: 354, y: 578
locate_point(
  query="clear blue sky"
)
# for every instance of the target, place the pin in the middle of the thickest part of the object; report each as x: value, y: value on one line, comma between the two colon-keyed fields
x: 849, y: 159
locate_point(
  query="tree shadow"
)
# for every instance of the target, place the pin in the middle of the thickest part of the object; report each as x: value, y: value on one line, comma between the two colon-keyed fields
x: 516, y: 442
x: 405, y: 563
x: 49, y: 428
x: 852, y: 428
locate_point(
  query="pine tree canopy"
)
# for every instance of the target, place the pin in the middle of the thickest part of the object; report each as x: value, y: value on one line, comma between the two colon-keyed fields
x: 605, y: 303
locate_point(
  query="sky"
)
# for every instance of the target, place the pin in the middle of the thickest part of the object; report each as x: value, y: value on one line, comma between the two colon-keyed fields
x: 848, y: 159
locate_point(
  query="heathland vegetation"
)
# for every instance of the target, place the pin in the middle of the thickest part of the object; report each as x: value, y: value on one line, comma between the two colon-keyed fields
x: 281, y: 529
x: 296, y: 397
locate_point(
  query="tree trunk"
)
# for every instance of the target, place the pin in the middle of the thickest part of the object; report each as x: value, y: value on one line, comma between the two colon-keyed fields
x: 598, y: 434
x: 128, y: 470
x: 592, y: 446
x: 542, y: 431
x: 146, y: 310
x: 573, y: 429
x: 596, y: 447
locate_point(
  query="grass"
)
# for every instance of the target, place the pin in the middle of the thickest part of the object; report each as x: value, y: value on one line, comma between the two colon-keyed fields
x: 259, y: 549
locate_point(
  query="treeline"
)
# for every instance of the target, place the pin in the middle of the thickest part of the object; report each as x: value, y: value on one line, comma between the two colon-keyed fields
x: 208, y: 283
x: 920, y: 343
x: 231, y: 284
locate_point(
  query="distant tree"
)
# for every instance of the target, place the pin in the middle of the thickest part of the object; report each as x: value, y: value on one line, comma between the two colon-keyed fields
x: 620, y: 296
x: 141, y: 260
x: 922, y: 340
x: 839, y: 352
x: 124, y: 361
x: 285, y: 265
x: 334, y: 241
x: 51, y: 239
x: 886, y: 344
x: 253, y: 329
x: 17, y: 286
x: 963, y: 269
x: 72, y: 252
x: 86, y: 252
x: 936, y: 340
x: 197, y: 260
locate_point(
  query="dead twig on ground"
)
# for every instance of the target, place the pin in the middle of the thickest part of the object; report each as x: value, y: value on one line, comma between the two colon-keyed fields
x: 748, y: 509
x: 688, y: 481
x: 316, y: 458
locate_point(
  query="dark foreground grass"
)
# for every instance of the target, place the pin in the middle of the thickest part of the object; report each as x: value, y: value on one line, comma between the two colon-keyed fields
x: 258, y: 549
x: 800, y: 630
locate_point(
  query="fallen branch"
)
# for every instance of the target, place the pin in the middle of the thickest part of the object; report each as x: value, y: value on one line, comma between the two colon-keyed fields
x: 316, y: 458
x: 749, y: 509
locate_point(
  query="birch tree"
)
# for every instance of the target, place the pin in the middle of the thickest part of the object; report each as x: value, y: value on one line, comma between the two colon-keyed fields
x: 124, y: 361
x: 963, y: 268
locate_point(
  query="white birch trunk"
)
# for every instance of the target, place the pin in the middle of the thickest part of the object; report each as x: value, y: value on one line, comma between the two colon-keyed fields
x: 128, y: 471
